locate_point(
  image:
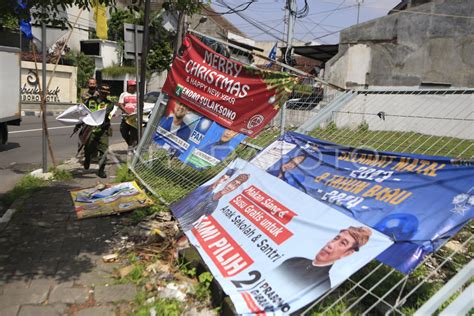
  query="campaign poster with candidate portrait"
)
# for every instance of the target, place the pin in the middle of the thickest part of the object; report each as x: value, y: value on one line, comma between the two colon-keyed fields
x: 419, y: 200
x: 180, y: 127
x: 237, y: 96
x: 216, y: 145
x: 272, y: 248
x: 196, y: 140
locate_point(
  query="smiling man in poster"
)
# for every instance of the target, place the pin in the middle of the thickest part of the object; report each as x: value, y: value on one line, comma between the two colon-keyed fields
x: 304, y: 274
x: 172, y: 130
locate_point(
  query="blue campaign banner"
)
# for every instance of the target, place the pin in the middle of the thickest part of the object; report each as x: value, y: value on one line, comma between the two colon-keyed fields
x: 216, y: 145
x: 420, y: 201
x: 272, y: 248
x: 193, y: 138
x: 180, y: 128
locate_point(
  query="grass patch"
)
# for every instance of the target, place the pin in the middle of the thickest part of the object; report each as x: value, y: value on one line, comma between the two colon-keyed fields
x: 124, y: 174
x: 202, y: 290
x: 116, y: 70
x: 140, y: 298
x: 405, y: 142
x: 183, y: 266
x: 136, y: 276
x: 163, y: 307
x: 60, y: 174
x: 141, y: 213
x: 26, y: 186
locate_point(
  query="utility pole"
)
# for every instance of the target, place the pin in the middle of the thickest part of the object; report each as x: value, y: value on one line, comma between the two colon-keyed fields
x: 43, y: 101
x: 178, y: 41
x: 137, y: 68
x: 141, y: 87
x: 291, y: 6
x: 359, y: 2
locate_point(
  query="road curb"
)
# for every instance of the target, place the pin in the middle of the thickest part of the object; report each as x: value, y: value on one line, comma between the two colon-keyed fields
x: 38, y: 113
x: 7, y: 216
x: 9, y: 213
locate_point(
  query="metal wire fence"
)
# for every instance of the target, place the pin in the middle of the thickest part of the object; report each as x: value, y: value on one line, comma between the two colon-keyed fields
x: 421, y: 121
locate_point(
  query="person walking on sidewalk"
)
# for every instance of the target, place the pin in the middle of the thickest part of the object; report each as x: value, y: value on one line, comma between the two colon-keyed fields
x: 128, y: 104
x: 97, y: 140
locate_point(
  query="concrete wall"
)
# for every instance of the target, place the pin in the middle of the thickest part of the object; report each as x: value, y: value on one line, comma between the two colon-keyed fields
x: 62, y: 90
x: 209, y: 27
x: 79, y: 33
x: 407, y: 49
x: 157, y: 80
x: 109, y: 53
x: 442, y: 114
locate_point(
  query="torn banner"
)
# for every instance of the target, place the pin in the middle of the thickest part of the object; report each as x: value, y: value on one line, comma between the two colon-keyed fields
x: 79, y: 113
x: 418, y: 200
x: 271, y: 247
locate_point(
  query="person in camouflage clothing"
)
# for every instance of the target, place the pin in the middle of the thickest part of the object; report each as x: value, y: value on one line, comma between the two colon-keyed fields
x: 96, y: 139
x: 91, y: 90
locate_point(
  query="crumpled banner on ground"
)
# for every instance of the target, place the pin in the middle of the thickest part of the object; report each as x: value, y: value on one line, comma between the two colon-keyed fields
x: 109, y: 199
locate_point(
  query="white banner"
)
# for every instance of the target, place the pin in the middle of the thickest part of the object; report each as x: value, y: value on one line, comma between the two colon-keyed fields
x: 272, y: 248
x: 79, y: 113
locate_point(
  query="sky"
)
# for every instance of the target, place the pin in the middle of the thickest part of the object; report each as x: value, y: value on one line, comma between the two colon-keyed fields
x: 322, y: 24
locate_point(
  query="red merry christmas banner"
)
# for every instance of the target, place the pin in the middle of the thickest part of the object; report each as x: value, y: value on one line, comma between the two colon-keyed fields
x: 237, y: 96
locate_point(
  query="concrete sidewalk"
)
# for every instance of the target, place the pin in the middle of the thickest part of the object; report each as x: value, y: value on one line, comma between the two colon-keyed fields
x: 51, y: 263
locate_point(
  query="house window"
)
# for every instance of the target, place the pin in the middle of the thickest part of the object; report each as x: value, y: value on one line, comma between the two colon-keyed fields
x: 92, y: 49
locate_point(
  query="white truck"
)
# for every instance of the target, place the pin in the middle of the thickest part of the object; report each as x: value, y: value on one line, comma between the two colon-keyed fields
x: 10, y: 106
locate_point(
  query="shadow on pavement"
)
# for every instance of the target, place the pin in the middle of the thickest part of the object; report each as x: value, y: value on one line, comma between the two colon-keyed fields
x: 44, y: 239
x: 9, y: 146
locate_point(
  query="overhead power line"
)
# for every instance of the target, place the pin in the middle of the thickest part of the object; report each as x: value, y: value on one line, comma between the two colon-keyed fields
x: 255, y: 24
x: 237, y: 9
x: 323, y: 19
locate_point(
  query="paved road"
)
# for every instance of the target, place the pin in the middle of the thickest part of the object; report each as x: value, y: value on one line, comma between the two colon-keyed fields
x: 23, y: 153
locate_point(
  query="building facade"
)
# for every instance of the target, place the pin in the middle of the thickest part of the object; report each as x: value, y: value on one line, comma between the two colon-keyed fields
x: 424, y: 44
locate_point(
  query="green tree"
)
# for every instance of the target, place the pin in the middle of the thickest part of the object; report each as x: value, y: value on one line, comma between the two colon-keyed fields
x: 9, y: 22
x: 49, y: 11
x: 160, y: 54
x: 116, y: 21
x: 188, y: 7
x: 85, y: 68
x: 159, y: 57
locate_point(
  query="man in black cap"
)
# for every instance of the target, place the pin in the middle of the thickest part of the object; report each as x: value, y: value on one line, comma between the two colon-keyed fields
x: 91, y: 90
